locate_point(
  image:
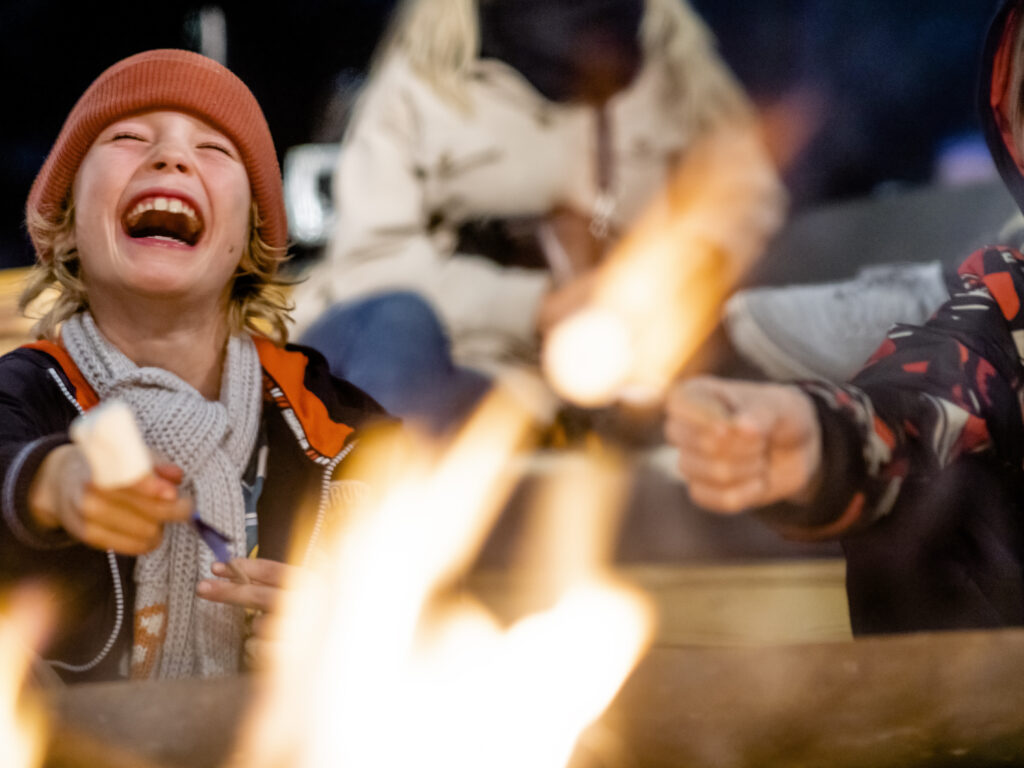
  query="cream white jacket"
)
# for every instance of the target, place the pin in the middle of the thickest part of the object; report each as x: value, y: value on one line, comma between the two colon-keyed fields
x: 414, y: 166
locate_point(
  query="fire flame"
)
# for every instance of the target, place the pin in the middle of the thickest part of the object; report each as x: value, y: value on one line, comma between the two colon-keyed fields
x: 383, y: 661
x: 588, y: 356
x: 662, y: 286
x: 23, y: 725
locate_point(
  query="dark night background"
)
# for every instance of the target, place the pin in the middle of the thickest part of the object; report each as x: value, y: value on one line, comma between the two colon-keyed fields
x: 893, y: 82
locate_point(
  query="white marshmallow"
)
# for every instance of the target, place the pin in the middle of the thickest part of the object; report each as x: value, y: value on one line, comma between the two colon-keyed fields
x: 112, y: 444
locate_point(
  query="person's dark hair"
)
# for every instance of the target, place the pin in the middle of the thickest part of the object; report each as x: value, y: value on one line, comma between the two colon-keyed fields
x: 572, y: 50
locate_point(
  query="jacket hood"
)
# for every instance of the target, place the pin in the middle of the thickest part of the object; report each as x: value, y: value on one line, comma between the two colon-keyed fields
x: 995, y: 100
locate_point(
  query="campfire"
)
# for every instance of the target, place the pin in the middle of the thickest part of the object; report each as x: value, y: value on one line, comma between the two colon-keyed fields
x: 380, y: 637
x: 23, y: 725
x: 383, y: 641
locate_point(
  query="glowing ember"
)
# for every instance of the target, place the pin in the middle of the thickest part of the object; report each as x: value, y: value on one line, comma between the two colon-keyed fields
x: 587, y: 358
x: 382, y: 661
x: 22, y: 723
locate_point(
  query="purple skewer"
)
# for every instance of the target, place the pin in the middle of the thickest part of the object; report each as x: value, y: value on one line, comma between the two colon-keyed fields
x: 215, y: 540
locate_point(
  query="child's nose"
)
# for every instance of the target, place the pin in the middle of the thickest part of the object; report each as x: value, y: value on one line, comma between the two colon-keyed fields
x: 170, y: 156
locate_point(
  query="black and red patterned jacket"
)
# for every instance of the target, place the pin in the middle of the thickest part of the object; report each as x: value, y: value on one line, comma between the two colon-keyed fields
x: 310, y: 420
x: 952, y: 387
x: 927, y: 397
x: 923, y: 451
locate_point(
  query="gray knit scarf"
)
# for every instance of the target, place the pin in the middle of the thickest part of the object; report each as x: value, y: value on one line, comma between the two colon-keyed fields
x: 212, y: 442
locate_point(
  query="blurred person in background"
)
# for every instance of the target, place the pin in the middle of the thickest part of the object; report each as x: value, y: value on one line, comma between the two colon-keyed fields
x: 499, y: 149
x: 917, y: 462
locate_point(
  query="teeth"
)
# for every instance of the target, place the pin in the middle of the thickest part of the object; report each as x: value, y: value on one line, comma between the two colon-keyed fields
x: 171, y: 205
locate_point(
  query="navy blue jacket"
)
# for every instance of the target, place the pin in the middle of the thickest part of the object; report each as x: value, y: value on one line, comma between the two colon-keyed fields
x: 310, y: 419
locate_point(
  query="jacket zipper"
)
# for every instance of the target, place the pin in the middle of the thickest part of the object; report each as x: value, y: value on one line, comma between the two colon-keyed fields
x: 115, y: 574
x: 325, y: 495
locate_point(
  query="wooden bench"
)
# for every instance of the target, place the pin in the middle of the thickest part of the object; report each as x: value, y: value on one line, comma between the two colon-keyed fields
x: 14, y: 329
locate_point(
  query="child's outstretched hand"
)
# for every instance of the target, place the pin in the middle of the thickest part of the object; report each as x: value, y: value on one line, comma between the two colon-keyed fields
x: 252, y: 583
x: 744, y: 444
x: 257, y: 585
x: 127, y: 520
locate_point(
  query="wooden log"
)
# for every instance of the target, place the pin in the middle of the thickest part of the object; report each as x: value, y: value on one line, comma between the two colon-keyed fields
x: 949, y: 699
x: 150, y: 724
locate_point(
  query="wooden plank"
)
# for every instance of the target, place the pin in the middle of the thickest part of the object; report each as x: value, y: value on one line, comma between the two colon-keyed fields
x: 14, y: 328
x: 724, y: 605
x: 147, y: 724
x: 12, y: 281
x: 945, y: 699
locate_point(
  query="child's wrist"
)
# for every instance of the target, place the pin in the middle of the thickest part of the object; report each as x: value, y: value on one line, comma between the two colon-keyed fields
x: 42, y: 496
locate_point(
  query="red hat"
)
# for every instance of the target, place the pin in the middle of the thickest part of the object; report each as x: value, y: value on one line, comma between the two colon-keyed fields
x: 167, y: 79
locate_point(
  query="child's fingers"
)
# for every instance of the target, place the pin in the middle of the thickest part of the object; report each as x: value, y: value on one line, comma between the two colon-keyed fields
x: 699, y: 402
x: 99, y: 536
x: 254, y: 596
x: 716, y: 417
x: 760, y: 416
x: 718, y: 441
x: 259, y: 570
x: 149, y: 498
x: 263, y: 626
x: 233, y: 570
x: 732, y: 499
x: 258, y: 651
x: 167, y: 471
x: 155, y: 486
x: 700, y: 468
x: 97, y: 511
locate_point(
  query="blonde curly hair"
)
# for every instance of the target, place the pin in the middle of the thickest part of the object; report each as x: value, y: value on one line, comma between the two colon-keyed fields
x: 258, y: 298
x: 441, y: 41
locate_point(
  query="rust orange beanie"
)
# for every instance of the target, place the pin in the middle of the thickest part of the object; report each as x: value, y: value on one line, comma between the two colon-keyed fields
x: 167, y: 79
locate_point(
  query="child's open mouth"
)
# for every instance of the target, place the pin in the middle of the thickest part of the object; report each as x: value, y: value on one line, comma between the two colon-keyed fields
x: 167, y: 218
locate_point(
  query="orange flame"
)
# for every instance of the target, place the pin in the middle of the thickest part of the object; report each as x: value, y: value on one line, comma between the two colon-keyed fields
x: 662, y: 287
x: 23, y: 725
x: 390, y: 665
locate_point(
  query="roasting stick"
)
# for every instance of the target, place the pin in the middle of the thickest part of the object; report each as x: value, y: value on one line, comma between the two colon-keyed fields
x: 712, y: 410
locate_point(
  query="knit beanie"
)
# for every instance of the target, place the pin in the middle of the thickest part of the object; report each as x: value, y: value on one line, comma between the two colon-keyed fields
x: 167, y: 79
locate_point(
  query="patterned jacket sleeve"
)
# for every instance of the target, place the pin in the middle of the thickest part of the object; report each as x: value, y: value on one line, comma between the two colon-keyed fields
x: 928, y: 395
